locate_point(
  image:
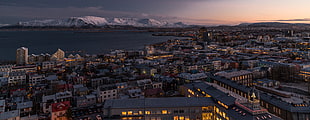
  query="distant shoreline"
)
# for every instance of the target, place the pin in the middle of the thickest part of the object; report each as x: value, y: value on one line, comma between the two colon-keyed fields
x: 98, y: 29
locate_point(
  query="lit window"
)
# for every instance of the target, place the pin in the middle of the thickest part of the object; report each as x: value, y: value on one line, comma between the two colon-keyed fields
x: 129, y: 112
x: 124, y: 113
x: 164, y: 112
x: 181, y: 118
x: 140, y: 112
x: 147, y: 112
x: 175, y: 118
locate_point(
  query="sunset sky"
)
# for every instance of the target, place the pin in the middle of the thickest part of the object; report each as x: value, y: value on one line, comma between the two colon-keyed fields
x: 203, y: 12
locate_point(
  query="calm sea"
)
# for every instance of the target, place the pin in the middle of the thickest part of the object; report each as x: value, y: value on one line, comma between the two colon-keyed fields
x: 92, y: 43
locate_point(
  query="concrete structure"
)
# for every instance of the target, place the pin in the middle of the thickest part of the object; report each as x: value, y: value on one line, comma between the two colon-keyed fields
x: 25, y: 108
x: 176, y: 108
x: 58, y: 97
x: 6, y: 68
x: 274, y: 103
x: 179, y: 108
x: 2, y: 106
x: 106, y: 93
x: 58, y: 55
x: 10, y: 115
x: 34, y: 79
x: 242, y: 77
x: 17, y: 78
x: 85, y: 101
x: 22, y: 56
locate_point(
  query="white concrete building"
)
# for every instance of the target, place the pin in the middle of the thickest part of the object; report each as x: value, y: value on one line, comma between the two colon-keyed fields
x: 22, y: 56
x: 105, y: 93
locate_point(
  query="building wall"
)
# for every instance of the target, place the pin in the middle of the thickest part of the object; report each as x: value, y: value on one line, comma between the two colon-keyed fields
x: 59, y: 115
x: 107, y: 94
x: 6, y: 68
x: 35, y: 79
x: 15, y: 79
x: 176, y: 113
x: 276, y: 110
x: 85, y: 102
x: 22, y: 56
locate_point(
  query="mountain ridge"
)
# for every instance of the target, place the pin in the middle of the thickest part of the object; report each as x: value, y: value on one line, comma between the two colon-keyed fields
x: 100, y: 22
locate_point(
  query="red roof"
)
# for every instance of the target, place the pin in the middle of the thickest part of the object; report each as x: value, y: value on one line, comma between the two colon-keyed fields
x: 60, y: 106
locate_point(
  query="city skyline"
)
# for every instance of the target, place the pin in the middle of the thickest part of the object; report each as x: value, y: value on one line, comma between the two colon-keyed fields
x: 201, y: 12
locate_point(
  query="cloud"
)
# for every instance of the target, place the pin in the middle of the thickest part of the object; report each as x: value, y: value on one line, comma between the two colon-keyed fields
x: 32, y: 13
x: 290, y: 20
x: 304, y: 19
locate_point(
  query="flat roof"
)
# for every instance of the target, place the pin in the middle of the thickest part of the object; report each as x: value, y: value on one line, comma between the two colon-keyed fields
x: 213, y: 92
x: 24, y: 105
x: 244, y: 115
x: 9, y: 114
x: 234, y: 73
x: 265, y: 97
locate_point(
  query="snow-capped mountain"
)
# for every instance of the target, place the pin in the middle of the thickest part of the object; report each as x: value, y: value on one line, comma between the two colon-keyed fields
x: 2, y: 25
x: 99, y: 21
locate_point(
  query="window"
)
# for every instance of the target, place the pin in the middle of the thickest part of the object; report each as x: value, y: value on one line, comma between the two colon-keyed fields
x: 129, y: 112
x: 217, y: 110
x: 187, y: 118
x: 175, y: 111
x: 181, y: 111
x: 147, y: 112
x: 124, y: 113
x: 164, y: 112
x: 181, y: 118
x: 140, y: 113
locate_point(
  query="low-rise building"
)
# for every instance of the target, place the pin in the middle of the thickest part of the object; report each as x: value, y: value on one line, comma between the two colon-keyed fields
x: 25, y: 108
x: 10, y: 115
x: 243, y: 77
x: 294, y: 110
x: 85, y: 101
x: 17, y: 78
x: 105, y: 93
x: 34, y: 79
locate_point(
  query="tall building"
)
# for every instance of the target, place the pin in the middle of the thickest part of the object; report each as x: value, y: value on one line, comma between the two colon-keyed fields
x: 289, y: 33
x: 22, y: 56
x: 58, y: 55
x: 205, y: 35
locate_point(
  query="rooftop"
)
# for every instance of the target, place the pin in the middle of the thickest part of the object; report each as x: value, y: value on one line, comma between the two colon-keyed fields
x: 234, y: 73
x: 9, y: 114
x: 275, y: 100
